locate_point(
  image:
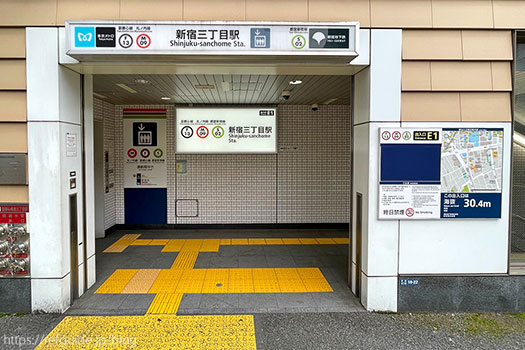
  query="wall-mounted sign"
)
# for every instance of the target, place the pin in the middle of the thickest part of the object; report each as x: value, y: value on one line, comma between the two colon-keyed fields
x: 71, y: 144
x: 440, y: 173
x: 213, y: 38
x: 145, y: 148
x: 471, y: 173
x: 226, y: 130
x: 409, y: 176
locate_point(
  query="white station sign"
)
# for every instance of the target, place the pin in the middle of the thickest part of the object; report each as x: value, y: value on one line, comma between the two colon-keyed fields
x: 226, y: 130
x: 212, y: 38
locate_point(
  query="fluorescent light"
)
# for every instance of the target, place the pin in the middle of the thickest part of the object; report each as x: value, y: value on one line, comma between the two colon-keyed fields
x: 127, y: 88
x: 141, y: 81
x: 330, y: 101
x: 296, y: 82
x: 165, y: 98
x: 519, y: 138
x: 96, y: 94
x: 205, y: 87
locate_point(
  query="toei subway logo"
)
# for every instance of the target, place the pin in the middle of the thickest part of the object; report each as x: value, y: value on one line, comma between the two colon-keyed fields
x: 85, y: 36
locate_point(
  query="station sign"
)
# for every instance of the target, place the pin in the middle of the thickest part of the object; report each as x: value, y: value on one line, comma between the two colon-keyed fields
x: 444, y: 173
x: 226, y: 130
x: 212, y: 38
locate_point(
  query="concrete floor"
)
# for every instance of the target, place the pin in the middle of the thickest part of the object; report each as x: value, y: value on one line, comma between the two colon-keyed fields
x: 332, y: 260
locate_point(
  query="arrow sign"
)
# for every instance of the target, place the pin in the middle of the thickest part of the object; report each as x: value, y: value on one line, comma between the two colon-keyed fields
x: 141, y: 127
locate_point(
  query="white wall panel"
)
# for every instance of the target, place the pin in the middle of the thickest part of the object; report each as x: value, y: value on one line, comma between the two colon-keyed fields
x: 42, y: 74
x: 50, y: 295
x: 385, y: 75
x: 379, y: 293
x: 459, y: 246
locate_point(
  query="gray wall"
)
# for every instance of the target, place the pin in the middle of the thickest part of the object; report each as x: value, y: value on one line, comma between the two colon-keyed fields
x: 308, y: 181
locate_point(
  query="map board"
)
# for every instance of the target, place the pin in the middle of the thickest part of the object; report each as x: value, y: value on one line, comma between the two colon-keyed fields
x: 440, y: 173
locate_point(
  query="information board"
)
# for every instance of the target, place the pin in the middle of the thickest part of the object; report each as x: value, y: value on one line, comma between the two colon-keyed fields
x: 145, y: 148
x: 440, y: 173
x: 226, y: 130
x: 409, y: 186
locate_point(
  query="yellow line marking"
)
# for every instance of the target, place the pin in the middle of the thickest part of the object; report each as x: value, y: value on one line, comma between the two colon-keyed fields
x: 116, y: 282
x: 153, y: 332
x: 141, y: 242
x: 141, y: 282
x: 173, y: 245
x: 226, y: 241
x: 341, y: 240
x: 308, y: 241
x: 325, y: 241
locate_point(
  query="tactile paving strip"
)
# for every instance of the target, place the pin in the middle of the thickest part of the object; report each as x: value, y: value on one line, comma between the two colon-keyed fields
x: 165, y: 304
x: 185, y: 260
x: 152, y: 332
x: 213, y: 245
x: 116, y: 282
x: 141, y: 282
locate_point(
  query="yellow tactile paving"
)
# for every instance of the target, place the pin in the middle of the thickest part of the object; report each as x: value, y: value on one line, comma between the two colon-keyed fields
x: 141, y: 282
x: 325, y: 241
x: 240, y: 241
x: 152, y: 332
x: 274, y: 241
x: 341, y: 240
x: 308, y: 241
x: 173, y: 245
x: 226, y: 241
x: 185, y: 260
x: 159, y: 242
x: 210, y: 245
x: 141, y: 242
x: 120, y: 245
x: 116, y: 282
x: 165, y: 304
x: 291, y: 241
x: 245, y: 280
x: 256, y: 241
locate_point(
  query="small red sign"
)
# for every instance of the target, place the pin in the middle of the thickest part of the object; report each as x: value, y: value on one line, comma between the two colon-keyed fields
x: 396, y: 135
x: 143, y: 41
x: 132, y: 153
x: 144, y: 153
x: 409, y: 212
x: 202, y: 132
x: 12, y: 218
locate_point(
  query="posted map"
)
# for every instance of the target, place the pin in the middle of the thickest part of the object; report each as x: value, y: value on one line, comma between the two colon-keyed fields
x: 471, y: 160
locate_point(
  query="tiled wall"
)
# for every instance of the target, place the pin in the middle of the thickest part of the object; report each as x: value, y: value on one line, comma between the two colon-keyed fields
x: 105, y: 112
x: 518, y: 200
x: 308, y: 181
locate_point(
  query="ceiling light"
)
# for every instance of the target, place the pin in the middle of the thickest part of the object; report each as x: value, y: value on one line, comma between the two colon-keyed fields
x: 296, y: 82
x: 327, y: 102
x: 141, y: 81
x: 96, y: 94
x: 165, y: 98
x: 518, y: 138
x: 127, y: 88
x: 205, y: 87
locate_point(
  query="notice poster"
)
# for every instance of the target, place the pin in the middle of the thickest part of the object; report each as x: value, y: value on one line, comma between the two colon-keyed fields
x: 226, y: 130
x: 409, y: 185
x: 145, y: 148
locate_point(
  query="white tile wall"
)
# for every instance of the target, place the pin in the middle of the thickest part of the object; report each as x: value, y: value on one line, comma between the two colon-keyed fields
x: 310, y: 184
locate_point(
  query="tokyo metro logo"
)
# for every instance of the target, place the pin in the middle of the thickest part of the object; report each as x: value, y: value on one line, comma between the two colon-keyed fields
x: 85, y: 36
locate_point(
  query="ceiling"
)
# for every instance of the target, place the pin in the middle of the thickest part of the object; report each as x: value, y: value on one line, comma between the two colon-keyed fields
x: 223, y: 89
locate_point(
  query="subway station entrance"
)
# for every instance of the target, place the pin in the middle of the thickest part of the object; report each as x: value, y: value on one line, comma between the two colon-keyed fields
x: 287, y: 214
x: 222, y: 180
